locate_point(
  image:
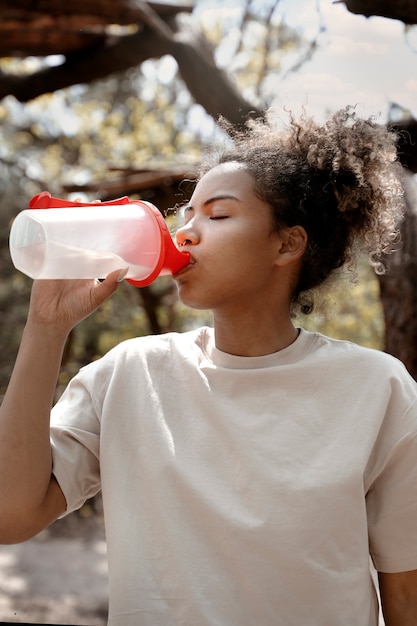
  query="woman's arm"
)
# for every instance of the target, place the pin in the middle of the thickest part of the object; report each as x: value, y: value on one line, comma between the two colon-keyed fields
x: 30, y: 497
x: 399, y: 598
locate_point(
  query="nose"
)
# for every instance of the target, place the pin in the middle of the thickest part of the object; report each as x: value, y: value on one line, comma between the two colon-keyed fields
x: 186, y: 235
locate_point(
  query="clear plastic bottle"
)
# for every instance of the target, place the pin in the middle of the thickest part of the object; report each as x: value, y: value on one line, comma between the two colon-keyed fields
x: 91, y: 240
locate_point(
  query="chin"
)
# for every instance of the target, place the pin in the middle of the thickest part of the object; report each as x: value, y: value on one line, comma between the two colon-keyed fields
x: 196, y: 297
x: 192, y: 302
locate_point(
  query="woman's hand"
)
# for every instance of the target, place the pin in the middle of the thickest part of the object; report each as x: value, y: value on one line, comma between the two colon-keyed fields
x: 64, y: 303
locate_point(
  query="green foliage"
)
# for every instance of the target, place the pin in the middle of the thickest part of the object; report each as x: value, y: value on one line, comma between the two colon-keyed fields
x: 85, y: 133
x: 350, y: 310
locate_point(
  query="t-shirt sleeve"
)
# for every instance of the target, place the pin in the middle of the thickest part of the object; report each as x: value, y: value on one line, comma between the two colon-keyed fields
x: 75, y: 441
x: 392, y: 499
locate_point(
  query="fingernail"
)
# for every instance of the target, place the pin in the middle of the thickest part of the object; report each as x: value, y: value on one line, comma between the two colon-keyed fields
x: 122, y: 274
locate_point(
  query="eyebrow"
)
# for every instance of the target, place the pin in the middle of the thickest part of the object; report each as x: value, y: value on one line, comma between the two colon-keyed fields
x: 223, y: 196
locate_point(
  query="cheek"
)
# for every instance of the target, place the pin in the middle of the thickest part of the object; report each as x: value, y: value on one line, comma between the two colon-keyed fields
x: 251, y: 248
x: 236, y: 241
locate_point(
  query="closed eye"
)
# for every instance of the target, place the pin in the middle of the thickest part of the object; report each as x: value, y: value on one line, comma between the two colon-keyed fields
x: 219, y: 217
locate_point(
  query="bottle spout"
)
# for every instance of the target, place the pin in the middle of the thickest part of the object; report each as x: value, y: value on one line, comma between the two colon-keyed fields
x: 174, y: 259
x: 171, y: 259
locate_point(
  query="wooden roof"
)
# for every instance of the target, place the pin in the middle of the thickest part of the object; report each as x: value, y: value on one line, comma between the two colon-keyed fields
x: 49, y: 27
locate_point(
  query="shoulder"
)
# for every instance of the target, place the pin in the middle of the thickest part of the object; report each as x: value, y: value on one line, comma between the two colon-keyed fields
x: 342, y: 349
x: 365, y: 365
x: 154, y: 348
x: 162, y: 343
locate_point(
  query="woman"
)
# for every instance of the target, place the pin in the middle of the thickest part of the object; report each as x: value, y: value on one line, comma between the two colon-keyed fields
x: 248, y: 471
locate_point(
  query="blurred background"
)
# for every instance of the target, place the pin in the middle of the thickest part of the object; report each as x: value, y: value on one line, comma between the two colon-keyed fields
x: 108, y: 98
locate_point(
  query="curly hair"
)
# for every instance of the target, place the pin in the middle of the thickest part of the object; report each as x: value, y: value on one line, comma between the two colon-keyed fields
x: 340, y: 181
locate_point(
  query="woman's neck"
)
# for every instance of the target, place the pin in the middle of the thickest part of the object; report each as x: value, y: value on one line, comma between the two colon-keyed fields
x: 256, y: 337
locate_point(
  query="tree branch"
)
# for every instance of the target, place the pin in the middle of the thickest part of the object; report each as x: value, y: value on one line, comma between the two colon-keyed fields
x: 208, y: 84
x: 403, y: 10
x: 187, y: 45
x: 85, y: 66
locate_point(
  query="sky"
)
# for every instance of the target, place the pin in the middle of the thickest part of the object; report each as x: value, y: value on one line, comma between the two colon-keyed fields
x: 366, y: 62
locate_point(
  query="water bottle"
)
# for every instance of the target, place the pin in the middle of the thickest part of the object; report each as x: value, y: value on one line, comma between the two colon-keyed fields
x: 57, y: 238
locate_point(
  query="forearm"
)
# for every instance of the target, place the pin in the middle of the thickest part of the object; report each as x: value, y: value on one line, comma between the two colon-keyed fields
x: 399, y: 598
x: 404, y: 617
x: 29, y: 497
x: 25, y: 459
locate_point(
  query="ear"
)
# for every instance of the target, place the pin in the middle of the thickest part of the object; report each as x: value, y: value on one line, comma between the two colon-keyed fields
x: 293, y: 243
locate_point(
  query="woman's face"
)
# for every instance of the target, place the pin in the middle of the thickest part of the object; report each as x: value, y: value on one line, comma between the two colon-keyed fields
x: 229, y: 233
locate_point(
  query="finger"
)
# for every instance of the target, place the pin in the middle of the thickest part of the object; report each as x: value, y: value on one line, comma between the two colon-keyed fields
x: 104, y: 288
x: 118, y: 275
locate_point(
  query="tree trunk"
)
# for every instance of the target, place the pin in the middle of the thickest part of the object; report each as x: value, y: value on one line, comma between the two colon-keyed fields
x: 399, y: 288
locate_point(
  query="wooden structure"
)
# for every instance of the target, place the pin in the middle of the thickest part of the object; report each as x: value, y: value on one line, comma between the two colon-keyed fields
x: 48, y: 27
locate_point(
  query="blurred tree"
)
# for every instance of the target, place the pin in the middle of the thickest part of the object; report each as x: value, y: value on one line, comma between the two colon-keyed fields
x: 399, y: 285
x: 96, y: 139
x: 81, y: 137
x: 399, y: 288
x: 350, y: 309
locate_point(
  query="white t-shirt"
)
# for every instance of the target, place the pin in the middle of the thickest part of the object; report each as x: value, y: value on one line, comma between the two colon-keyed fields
x: 244, y: 491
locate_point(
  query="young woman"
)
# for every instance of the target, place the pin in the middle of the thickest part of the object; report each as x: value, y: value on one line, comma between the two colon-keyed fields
x: 249, y: 471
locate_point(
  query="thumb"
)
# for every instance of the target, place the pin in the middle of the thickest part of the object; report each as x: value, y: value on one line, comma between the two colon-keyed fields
x: 104, y: 288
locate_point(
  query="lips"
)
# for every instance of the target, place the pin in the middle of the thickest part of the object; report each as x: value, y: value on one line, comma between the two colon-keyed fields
x: 184, y: 269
